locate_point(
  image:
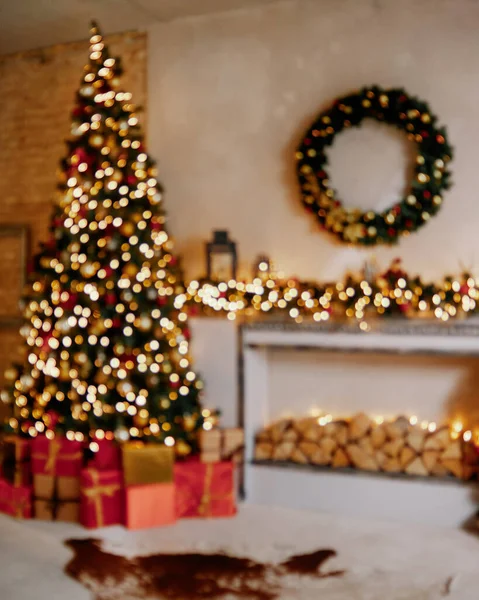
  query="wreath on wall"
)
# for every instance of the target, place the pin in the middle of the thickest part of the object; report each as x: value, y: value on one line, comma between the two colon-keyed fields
x: 423, y: 198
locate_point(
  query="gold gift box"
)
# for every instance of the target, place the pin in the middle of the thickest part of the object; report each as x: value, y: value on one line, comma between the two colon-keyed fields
x: 144, y: 464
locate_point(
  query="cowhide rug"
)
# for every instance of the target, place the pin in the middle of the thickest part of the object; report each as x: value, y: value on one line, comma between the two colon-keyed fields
x: 188, y: 576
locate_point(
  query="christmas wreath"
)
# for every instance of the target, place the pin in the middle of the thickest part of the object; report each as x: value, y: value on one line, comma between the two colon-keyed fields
x: 431, y: 176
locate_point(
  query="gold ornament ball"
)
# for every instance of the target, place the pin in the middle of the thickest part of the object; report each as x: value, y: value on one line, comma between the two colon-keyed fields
x: 88, y: 270
x: 182, y: 448
x: 130, y: 269
x: 96, y: 141
x: 98, y: 327
x: 145, y: 323
x: 189, y: 423
x: 140, y: 421
x: 11, y: 374
x: 81, y: 358
x: 127, y: 229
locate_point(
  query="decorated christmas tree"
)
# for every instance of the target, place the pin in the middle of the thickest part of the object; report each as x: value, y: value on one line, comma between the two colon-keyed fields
x: 105, y: 331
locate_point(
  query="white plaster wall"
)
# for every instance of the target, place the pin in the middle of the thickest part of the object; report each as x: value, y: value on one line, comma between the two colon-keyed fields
x: 231, y: 94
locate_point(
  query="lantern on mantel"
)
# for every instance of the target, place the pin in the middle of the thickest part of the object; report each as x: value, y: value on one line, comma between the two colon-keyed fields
x: 221, y: 257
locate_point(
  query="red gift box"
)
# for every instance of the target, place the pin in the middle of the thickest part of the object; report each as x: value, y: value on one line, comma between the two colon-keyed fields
x: 150, y: 505
x: 205, y: 489
x: 15, y: 501
x: 16, y: 449
x: 19, y: 474
x: 56, y: 457
x: 107, y: 458
x: 5, y: 496
x: 102, y: 499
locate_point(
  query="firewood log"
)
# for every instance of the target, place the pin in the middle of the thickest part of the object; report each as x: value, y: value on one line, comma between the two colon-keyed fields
x: 340, y: 459
x: 360, y: 458
x: 394, y: 447
x: 439, y: 440
x: 416, y: 440
x: 302, y: 425
x: 313, y: 434
x: 263, y: 436
x: 380, y: 457
x: 278, y: 429
x: 328, y: 444
x: 366, y: 444
x: 283, y: 450
x: 299, y: 457
x: 393, y: 430
x: 453, y: 450
x: 342, y: 434
x: 406, y: 456
x: 320, y: 457
x: 263, y: 451
x: 454, y: 466
x: 378, y: 436
x: 308, y: 448
x: 439, y: 470
x: 359, y: 426
x: 392, y: 465
x: 430, y: 458
x: 290, y: 435
x: 416, y: 467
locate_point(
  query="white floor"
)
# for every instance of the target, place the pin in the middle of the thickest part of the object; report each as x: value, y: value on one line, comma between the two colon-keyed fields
x: 382, y: 560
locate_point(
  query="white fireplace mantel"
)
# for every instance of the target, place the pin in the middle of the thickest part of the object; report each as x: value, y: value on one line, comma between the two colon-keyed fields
x: 435, y: 501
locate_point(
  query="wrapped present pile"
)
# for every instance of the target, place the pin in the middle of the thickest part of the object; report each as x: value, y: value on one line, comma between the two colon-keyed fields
x: 133, y: 484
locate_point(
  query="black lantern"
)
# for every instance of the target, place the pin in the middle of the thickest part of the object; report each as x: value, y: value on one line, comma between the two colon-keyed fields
x: 221, y: 258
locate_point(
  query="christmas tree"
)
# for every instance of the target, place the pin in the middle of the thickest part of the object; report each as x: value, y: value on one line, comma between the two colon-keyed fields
x: 105, y: 328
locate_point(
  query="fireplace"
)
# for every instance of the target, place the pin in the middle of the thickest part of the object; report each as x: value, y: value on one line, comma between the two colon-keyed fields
x: 372, y: 424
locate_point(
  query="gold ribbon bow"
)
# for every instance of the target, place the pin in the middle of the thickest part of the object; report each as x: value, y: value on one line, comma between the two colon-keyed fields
x: 53, y: 454
x: 205, y: 505
x: 95, y: 495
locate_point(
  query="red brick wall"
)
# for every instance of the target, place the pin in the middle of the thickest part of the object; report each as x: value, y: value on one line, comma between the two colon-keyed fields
x: 37, y: 91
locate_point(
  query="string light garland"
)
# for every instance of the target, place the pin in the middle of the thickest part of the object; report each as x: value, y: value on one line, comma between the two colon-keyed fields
x: 393, y: 293
x: 431, y: 174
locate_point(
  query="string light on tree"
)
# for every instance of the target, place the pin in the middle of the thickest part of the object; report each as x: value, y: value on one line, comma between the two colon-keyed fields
x: 94, y: 330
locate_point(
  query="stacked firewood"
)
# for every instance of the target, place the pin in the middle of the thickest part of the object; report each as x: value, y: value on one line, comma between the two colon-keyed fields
x: 394, y: 446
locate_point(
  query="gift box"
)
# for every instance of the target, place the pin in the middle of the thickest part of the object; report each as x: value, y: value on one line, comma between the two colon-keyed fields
x: 15, y: 501
x: 205, y: 490
x: 213, y: 456
x: 56, y: 457
x: 5, y: 495
x: 107, y: 457
x: 18, y: 474
x: 150, y: 505
x: 233, y: 444
x: 16, y: 450
x: 210, y: 440
x: 146, y: 464
x: 48, y: 487
x: 222, y: 444
x: 53, y: 510
x: 102, y: 498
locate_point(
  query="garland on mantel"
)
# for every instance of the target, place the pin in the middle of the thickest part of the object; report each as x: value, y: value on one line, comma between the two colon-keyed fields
x: 392, y: 294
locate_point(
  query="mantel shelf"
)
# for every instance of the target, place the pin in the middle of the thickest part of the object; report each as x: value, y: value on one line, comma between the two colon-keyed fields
x: 393, y: 336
